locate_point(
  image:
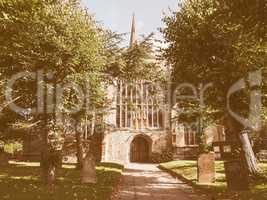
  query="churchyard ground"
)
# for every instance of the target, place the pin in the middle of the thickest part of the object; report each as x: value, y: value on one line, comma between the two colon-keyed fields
x: 187, y: 170
x: 21, y: 181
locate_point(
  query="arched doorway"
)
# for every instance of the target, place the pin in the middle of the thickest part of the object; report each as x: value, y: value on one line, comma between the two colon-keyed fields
x: 140, y: 150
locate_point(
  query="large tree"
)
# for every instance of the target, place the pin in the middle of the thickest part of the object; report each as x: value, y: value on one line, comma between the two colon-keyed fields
x: 57, y: 37
x: 219, y: 42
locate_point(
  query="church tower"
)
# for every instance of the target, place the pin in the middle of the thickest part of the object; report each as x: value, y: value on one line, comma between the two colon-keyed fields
x: 133, y: 32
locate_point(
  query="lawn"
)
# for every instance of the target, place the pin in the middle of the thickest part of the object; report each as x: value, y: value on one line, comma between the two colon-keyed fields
x: 188, y: 171
x: 21, y: 181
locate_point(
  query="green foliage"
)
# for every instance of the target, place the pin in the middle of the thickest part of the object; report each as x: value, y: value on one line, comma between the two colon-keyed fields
x: 13, y: 147
x: 216, y: 42
x: 138, y: 62
x: 53, y: 36
x: 50, y: 35
x: 10, y: 147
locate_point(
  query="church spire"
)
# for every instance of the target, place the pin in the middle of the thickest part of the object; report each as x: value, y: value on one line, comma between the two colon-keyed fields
x: 133, y: 32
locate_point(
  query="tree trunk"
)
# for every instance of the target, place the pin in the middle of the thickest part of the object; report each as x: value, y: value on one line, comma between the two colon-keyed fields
x: 93, y: 121
x: 79, y: 148
x: 50, y: 159
x: 44, y: 163
x: 236, y: 135
x: 88, y: 172
x: 48, y: 168
x: 249, y: 155
x: 51, y: 175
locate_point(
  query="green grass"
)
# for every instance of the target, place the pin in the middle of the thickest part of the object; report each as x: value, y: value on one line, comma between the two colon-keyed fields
x: 188, y: 170
x: 21, y: 181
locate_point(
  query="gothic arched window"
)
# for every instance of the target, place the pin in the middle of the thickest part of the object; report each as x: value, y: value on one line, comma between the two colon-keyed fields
x: 138, y: 106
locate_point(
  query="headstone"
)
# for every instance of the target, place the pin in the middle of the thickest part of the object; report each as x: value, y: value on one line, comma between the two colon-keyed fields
x: 88, y: 169
x: 217, y: 152
x: 4, y: 159
x: 209, y: 133
x: 236, y: 176
x: 206, y: 168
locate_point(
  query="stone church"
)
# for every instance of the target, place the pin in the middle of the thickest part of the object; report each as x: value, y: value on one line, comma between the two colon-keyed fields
x: 140, y: 126
x: 138, y: 121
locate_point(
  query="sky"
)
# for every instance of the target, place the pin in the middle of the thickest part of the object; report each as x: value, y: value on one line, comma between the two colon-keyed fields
x: 117, y: 14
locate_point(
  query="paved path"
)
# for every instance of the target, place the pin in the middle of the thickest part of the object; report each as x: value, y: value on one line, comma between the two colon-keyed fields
x: 147, y: 182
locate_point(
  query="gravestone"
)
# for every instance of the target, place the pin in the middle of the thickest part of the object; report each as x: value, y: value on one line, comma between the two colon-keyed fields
x: 236, y: 176
x: 206, y: 168
x: 217, y: 152
x: 88, y: 169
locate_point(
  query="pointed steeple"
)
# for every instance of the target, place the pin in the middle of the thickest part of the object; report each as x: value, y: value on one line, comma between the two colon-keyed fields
x: 133, y: 32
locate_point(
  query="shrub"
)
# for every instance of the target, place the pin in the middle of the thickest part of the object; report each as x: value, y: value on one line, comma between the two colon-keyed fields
x: 164, y: 156
x: 12, y: 147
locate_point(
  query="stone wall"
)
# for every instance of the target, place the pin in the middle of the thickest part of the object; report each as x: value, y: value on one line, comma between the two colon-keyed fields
x: 117, y: 144
x: 213, y: 134
x: 186, y: 152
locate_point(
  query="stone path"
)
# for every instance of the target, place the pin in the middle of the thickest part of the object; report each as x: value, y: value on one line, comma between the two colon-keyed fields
x: 147, y: 182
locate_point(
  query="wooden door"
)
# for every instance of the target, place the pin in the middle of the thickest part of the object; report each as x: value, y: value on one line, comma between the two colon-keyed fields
x: 140, y: 150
